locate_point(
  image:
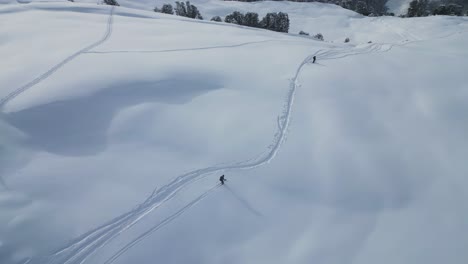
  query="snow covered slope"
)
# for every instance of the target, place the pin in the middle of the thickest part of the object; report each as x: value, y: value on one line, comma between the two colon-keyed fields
x: 211, y: 8
x: 116, y: 124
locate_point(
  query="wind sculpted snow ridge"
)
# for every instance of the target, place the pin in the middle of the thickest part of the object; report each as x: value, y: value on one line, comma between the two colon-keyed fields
x: 52, y: 70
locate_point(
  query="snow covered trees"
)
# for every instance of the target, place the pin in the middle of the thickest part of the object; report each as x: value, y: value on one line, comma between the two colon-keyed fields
x: 361, y: 8
x: 418, y: 8
x: 319, y: 36
x: 269, y: 21
x: 449, y: 10
x: 365, y: 7
x: 276, y: 21
x: 187, y: 10
x: 182, y: 9
x: 272, y: 21
x: 235, y: 18
x: 192, y: 11
x: 379, y: 7
x: 216, y: 19
x: 251, y: 19
x: 111, y: 2
x: 166, y: 9
x: 282, y: 22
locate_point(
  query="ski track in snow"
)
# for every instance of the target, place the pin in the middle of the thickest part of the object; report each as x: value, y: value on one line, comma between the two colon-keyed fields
x: 191, y: 49
x: 164, y: 222
x: 52, y: 70
x: 283, y: 123
x: 80, y: 249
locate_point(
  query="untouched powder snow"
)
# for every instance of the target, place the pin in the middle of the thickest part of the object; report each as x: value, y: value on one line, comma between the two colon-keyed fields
x: 116, y: 124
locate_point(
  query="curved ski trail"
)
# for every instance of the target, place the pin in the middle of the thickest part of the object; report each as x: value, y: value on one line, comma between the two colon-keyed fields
x: 283, y: 123
x: 80, y: 249
x: 193, y: 48
x: 47, y: 74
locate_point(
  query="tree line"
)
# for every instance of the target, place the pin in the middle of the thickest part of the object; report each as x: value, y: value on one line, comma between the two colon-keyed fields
x: 364, y: 7
x: 181, y: 9
x: 420, y: 8
x: 272, y: 21
x: 379, y: 7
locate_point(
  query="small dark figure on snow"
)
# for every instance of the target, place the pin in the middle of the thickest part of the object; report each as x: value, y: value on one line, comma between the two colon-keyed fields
x: 221, y: 179
x: 314, y: 59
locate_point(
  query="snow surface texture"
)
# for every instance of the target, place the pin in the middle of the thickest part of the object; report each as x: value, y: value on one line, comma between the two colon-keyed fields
x: 357, y: 158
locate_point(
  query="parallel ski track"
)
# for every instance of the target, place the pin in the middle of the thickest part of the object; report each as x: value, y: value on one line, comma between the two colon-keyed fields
x: 283, y: 123
x: 80, y: 249
x: 52, y: 70
x: 160, y: 225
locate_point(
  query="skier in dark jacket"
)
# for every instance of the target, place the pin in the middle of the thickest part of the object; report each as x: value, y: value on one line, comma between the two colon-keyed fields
x: 221, y: 179
x: 314, y: 59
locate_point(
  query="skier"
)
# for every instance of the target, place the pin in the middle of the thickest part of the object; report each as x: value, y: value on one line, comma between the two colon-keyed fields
x: 221, y: 179
x: 314, y: 59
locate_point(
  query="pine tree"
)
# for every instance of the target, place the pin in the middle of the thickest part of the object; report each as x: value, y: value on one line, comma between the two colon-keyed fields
x: 251, y: 19
x: 413, y: 8
x: 180, y: 9
x: 418, y: 8
x: 319, y: 36
x: 189, y: 9
x: 379, y: 7
x: 349, y: 4
x: 111, y: 2
x: 282, y: 22
x: 361, y: 8
x: 167, y: 9
x: 423, y: 8
x: 269, y: 21
x: 216, y: 19
x: 192, y: 11
x: 455, y: 9
x: 235, y: 18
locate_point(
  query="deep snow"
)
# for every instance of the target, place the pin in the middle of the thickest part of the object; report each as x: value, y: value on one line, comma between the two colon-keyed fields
x: 358, y: 158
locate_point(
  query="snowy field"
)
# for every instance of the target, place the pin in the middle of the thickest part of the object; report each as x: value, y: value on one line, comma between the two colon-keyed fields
x: 116, y: 123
